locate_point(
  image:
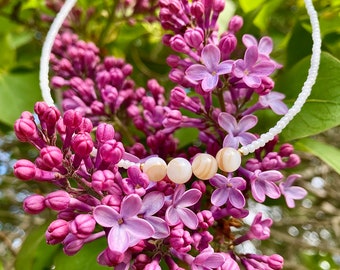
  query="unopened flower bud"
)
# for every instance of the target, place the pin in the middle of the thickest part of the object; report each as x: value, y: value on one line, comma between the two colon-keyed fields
x: 83, y: 225
x: 235, y: 24
x: 72, y: 244
x: 104, y: 132
x: 194, y: 37
x: 25, y: 129
x: 24, y: 169
x: 57, y: 231
x: 173, y: 119
x: 82, y: 144
x: 34, y: 204
x: 275, y: 261
x: 58, y: 200
x: 112, y: 151
x: 51, y: 156
x: 72, y: 119
x: 178, y: 44
x: 102, y: 180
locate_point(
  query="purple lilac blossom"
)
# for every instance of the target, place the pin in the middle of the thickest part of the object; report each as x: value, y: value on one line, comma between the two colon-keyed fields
x: 126, y: 228
x: 290, y: 192
x: 211, y: 68
x: 237, y: 131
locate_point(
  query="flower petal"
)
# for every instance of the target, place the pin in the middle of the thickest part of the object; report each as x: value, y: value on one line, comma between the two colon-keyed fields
x: 250, y: 56
x: 171, y: 216
x: 227, y: 122
x: 279, y: 107
x: 189, y: 198
x: 138, y: 229
x: 265, y: 45
x: 236, y: 198
x: 219, y: 181
x: 209, y: 82
x: 252, y: 81
x: 270, y: 175
x: 247, y: 122
x: 211, y: 56
x: 224, y: 67
x: 238, y: 68
x: 272, y: 190
x: 188, y: 217
x: 118, y: 239
x: 152, y: 203
x: 219, y: 196
x: 258, y: 190
x: 160, y: 226
x: 231, y: 141
x: 246, y: 138
x: 106, y: 216
x: 130, y: 206
x: 238, y: 182
x: 264, y: 68
x: 197, y: 72
x: 249, y: 40
x: 213, y: 261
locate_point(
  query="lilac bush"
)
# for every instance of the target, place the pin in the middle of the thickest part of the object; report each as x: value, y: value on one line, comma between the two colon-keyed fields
x: 86, y: 150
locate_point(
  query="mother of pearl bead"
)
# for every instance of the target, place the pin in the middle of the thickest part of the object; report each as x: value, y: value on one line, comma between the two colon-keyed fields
x: 228, y: 159
x: 155, y: 168
x: 204, y: 166
x: 179, y: 170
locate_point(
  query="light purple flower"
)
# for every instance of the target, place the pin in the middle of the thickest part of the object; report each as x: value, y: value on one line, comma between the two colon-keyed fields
x: 126, y: 228
x: 251, y: 70
x: 290, y: 192
x: 178, y: 212
x: 136, y: 182
x: 263, y: 183
x: 237, y: 131
x: 260, y: 229
x: 228, y: 189
x: 274, y: 101
x: 209, y: 72
x: 152, y: 203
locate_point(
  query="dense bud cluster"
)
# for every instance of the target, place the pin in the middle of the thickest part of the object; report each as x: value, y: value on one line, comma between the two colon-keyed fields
x: 99, y: 166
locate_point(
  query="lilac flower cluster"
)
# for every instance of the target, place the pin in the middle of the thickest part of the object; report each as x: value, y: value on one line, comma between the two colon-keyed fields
x: 95, y: 160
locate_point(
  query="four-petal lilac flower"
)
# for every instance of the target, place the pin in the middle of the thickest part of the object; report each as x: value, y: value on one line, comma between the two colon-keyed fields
x: 228, y: 189
x: 237, y: 131
x: 250, y: 70
x: 178, y: 211
x: 263, y: 183
x: 152, y: 203
x: 290, y: 192
x: 274, y: 101
x: 211, y: 69
x: 126, y: 228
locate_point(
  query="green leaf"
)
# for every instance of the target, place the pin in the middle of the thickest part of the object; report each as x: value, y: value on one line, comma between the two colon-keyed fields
x: 322, y: 109
x: 35, y: 253
x: 327, y: 153
x: 247, y: 5
x: 85, y: 259
x: 264, y: 16
x: 19, y: 92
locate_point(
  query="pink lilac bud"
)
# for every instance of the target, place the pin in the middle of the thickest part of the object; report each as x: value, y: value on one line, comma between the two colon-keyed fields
x: 67, y: 214
x: 197, y: 9
x: 104, y: 133
x: 205, y: 219
x: 155, y: 88
x: 72, y: 244
x: 57, y: 231
x: 24, y: 169
x: 40, y: 108
x: 141, y: 261
x: 110, y: 258
x: 82, y: 144
x: 51, y: 156
x: 201, y: 240
x: 97, y: 107
x: 34, y: 204
x: 253, y: 164
x: 58, y: 200
x: 85, y: 126
x: 58, y: 82
x: 113, y: 200
x: 72, y: 119
x: 286, y: 150
x: 173, y: 119
x: 200, y: 185
x: 180, y: 239
x: 112, y: 151
x: 25, y: 129
x: 235, y: 24
x: 293, y: 161
x: 178, y: 44
x: 83, y: 225
x: 275, y: 261
x: 102, y: 180
x: 194, y: 37
x: 154, y: 265
x: 50, y: 118
x: 227, y: 45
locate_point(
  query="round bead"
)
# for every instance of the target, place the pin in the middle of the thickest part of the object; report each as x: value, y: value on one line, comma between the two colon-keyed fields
x: 179, y: 170
x: 155, y: 169
x: 204, y: 166
x: 228, y: 159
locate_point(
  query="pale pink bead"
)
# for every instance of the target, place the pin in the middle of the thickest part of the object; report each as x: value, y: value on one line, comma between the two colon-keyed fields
x: 204, y: 166
x: 228, y: 159
x: 179, y: 170
x: 155, y: 168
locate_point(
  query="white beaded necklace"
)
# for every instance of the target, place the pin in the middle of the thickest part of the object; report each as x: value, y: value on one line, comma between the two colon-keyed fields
x: 204, y: 166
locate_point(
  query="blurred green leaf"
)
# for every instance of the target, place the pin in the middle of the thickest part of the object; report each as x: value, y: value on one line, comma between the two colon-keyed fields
x: 7, y: 53
x: 35, y: 253
x: 328, y: 153
x: 19, y: 92
x: 85, y: 259
x: 247, y: 5
x: 264, y: 16
x: 322, y: 108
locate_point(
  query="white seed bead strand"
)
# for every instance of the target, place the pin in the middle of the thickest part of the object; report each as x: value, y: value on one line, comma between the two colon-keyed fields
x: 204, y: 166
x: 47, y: 48
x: 179, y: 170
x: 127, y: 164
x: 306, y: 89
x: 155, y: 168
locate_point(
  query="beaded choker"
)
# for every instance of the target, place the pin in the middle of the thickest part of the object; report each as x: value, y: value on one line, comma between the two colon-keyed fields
x: 203, y: 166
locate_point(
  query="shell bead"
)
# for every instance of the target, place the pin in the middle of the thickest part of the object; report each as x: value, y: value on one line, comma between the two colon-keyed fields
x: 204, y: 166
x: 228, y: 159
x: 179, y: 170
x: 155, y: 168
